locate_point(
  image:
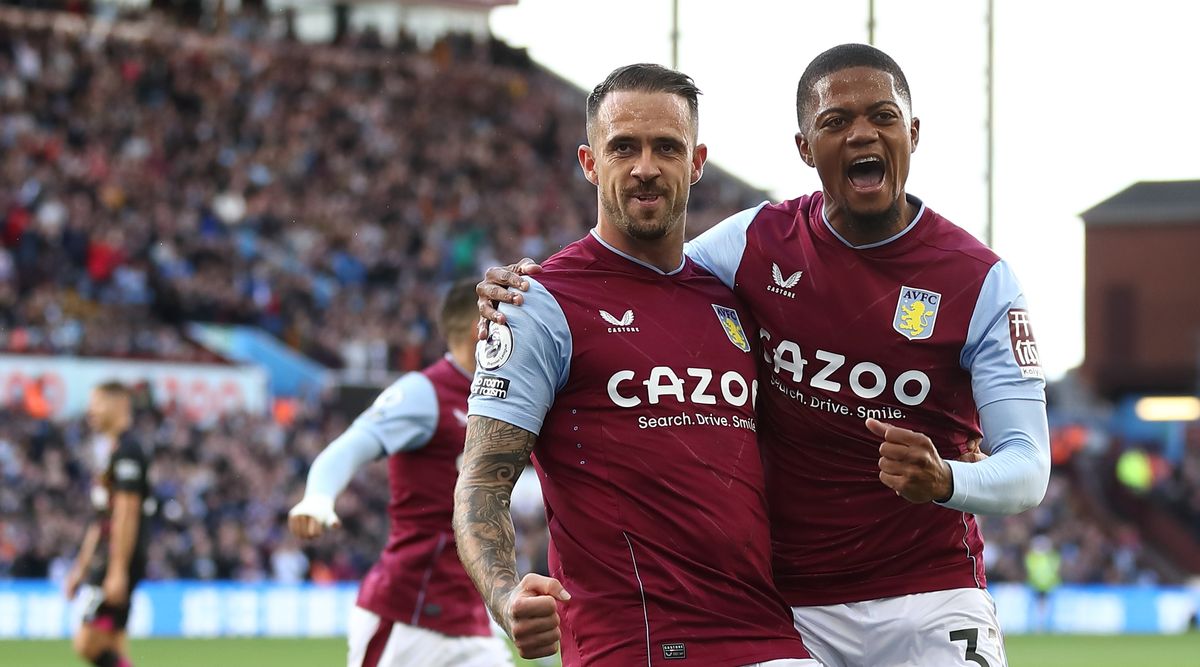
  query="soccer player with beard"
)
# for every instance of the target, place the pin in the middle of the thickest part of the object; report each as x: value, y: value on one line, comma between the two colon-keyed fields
x: 892, y: 340
x: 638, y: 414
x: 112, y: 558
x: 416, y: 607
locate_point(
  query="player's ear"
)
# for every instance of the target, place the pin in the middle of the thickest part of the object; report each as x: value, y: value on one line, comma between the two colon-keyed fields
x: 805, y: 149
x: 699, y: 157
x: 915, y: 132
x: 587, y: 162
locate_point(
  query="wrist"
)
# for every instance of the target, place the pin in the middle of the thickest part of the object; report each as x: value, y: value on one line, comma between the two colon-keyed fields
x: 501, y: 607
x: 315, y: 502
x: 946, y: 488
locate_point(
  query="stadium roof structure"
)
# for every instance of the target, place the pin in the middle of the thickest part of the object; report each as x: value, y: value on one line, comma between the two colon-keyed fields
x: 1148, y: 202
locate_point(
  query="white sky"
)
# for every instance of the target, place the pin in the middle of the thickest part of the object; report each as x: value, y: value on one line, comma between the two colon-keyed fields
x: 1090, y: 97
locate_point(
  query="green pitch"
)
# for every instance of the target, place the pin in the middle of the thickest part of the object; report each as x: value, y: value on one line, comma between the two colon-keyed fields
x: 200, y: 653
x: 1023, y: 651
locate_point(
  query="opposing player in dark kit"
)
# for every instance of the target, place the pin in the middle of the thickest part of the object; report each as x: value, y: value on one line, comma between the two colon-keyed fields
x: 112, y: 558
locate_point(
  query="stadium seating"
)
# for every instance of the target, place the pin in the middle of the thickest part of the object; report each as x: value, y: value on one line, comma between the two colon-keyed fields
x: 154, y: 176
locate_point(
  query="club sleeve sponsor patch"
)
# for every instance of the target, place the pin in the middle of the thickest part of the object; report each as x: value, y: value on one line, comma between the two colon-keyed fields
x: 492, y: 353
x: 491, y: 386
x: 1024, y: 347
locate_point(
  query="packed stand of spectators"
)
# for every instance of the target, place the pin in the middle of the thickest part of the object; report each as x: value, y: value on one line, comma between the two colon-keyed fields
x: 1091, y: 545
x: 224, y: 493
x: 222, y: 496
x: 152, y: 175
x: 1166, y: 472
x: 1090, y: 551
x: 1181, y: 491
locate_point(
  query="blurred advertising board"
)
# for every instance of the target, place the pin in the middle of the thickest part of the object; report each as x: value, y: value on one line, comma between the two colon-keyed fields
x: 61, y: 385
x: 37, y: 609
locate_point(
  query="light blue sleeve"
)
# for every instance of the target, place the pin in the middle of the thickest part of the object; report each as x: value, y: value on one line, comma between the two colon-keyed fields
x: 403, y: 417
x: 990, y: 353
x: 1009, y: 390
x: 1014, y: 476
x: 522, y: 365
x: 335, y: 466
x: 719, y: 250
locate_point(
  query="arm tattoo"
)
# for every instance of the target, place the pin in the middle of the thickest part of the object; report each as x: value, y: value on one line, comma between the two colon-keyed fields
x: 495, y: 455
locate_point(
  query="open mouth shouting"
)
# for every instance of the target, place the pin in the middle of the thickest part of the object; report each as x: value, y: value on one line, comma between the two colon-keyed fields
x: 866, y: 174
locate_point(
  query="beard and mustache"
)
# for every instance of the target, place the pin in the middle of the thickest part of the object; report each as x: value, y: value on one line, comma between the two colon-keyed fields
x: 644, y: 229
x: 875, y: 222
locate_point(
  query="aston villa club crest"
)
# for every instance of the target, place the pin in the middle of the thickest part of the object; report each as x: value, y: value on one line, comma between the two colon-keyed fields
x: 916, y: 312
x: 733, y: 327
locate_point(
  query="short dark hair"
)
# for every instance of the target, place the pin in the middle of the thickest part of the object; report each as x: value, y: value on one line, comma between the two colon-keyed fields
x: 115, y: 389
x: 845, y: 56
x: 645, y: 78
x: 459, y: 312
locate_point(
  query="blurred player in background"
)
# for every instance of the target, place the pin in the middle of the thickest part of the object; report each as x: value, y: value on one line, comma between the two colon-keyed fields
x: 416, y: 607
x: 659, y: 542
x: 112, y: 558
x: 893, y: 340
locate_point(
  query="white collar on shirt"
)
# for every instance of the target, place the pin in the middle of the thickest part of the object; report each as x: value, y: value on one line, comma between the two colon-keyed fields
x: 635, y: 260
x: 866, y: 246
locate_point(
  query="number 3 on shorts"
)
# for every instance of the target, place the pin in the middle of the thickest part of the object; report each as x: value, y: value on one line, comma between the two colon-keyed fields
x: 971, y: 636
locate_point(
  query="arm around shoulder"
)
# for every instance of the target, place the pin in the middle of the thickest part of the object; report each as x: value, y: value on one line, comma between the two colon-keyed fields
x: 719, y: 250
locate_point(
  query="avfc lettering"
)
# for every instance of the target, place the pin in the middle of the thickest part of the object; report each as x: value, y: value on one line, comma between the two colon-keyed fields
x: 916, y: 313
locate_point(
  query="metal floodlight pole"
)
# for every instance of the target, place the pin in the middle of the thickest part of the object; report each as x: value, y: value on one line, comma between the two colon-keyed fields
x: 675, y: 34
x: 871, y: 22
x: 989, y: 129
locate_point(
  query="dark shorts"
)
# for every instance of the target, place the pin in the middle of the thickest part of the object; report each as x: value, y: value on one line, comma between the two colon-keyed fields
x: 101, y: 615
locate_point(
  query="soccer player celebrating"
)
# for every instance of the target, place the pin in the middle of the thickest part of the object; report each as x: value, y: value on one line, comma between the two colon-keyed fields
x: 892, y: 340
x: 112, y: 558
x: 416, y: 607
x: 638, y: 414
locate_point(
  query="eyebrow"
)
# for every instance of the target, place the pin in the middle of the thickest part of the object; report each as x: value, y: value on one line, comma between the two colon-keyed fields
x: 661, y: 139
x: 877, y: 105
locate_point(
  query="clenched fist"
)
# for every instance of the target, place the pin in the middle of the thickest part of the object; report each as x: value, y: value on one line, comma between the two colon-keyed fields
x: 910, y: 465
x: 532, y: 615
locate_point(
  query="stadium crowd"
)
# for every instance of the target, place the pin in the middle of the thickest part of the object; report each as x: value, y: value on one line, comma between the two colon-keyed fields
x: 151, y: 176
x: 1179, y: 488
x: 223, y: 495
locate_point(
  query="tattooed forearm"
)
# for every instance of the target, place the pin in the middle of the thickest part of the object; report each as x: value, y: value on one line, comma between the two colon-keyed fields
x: 494, y: 456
